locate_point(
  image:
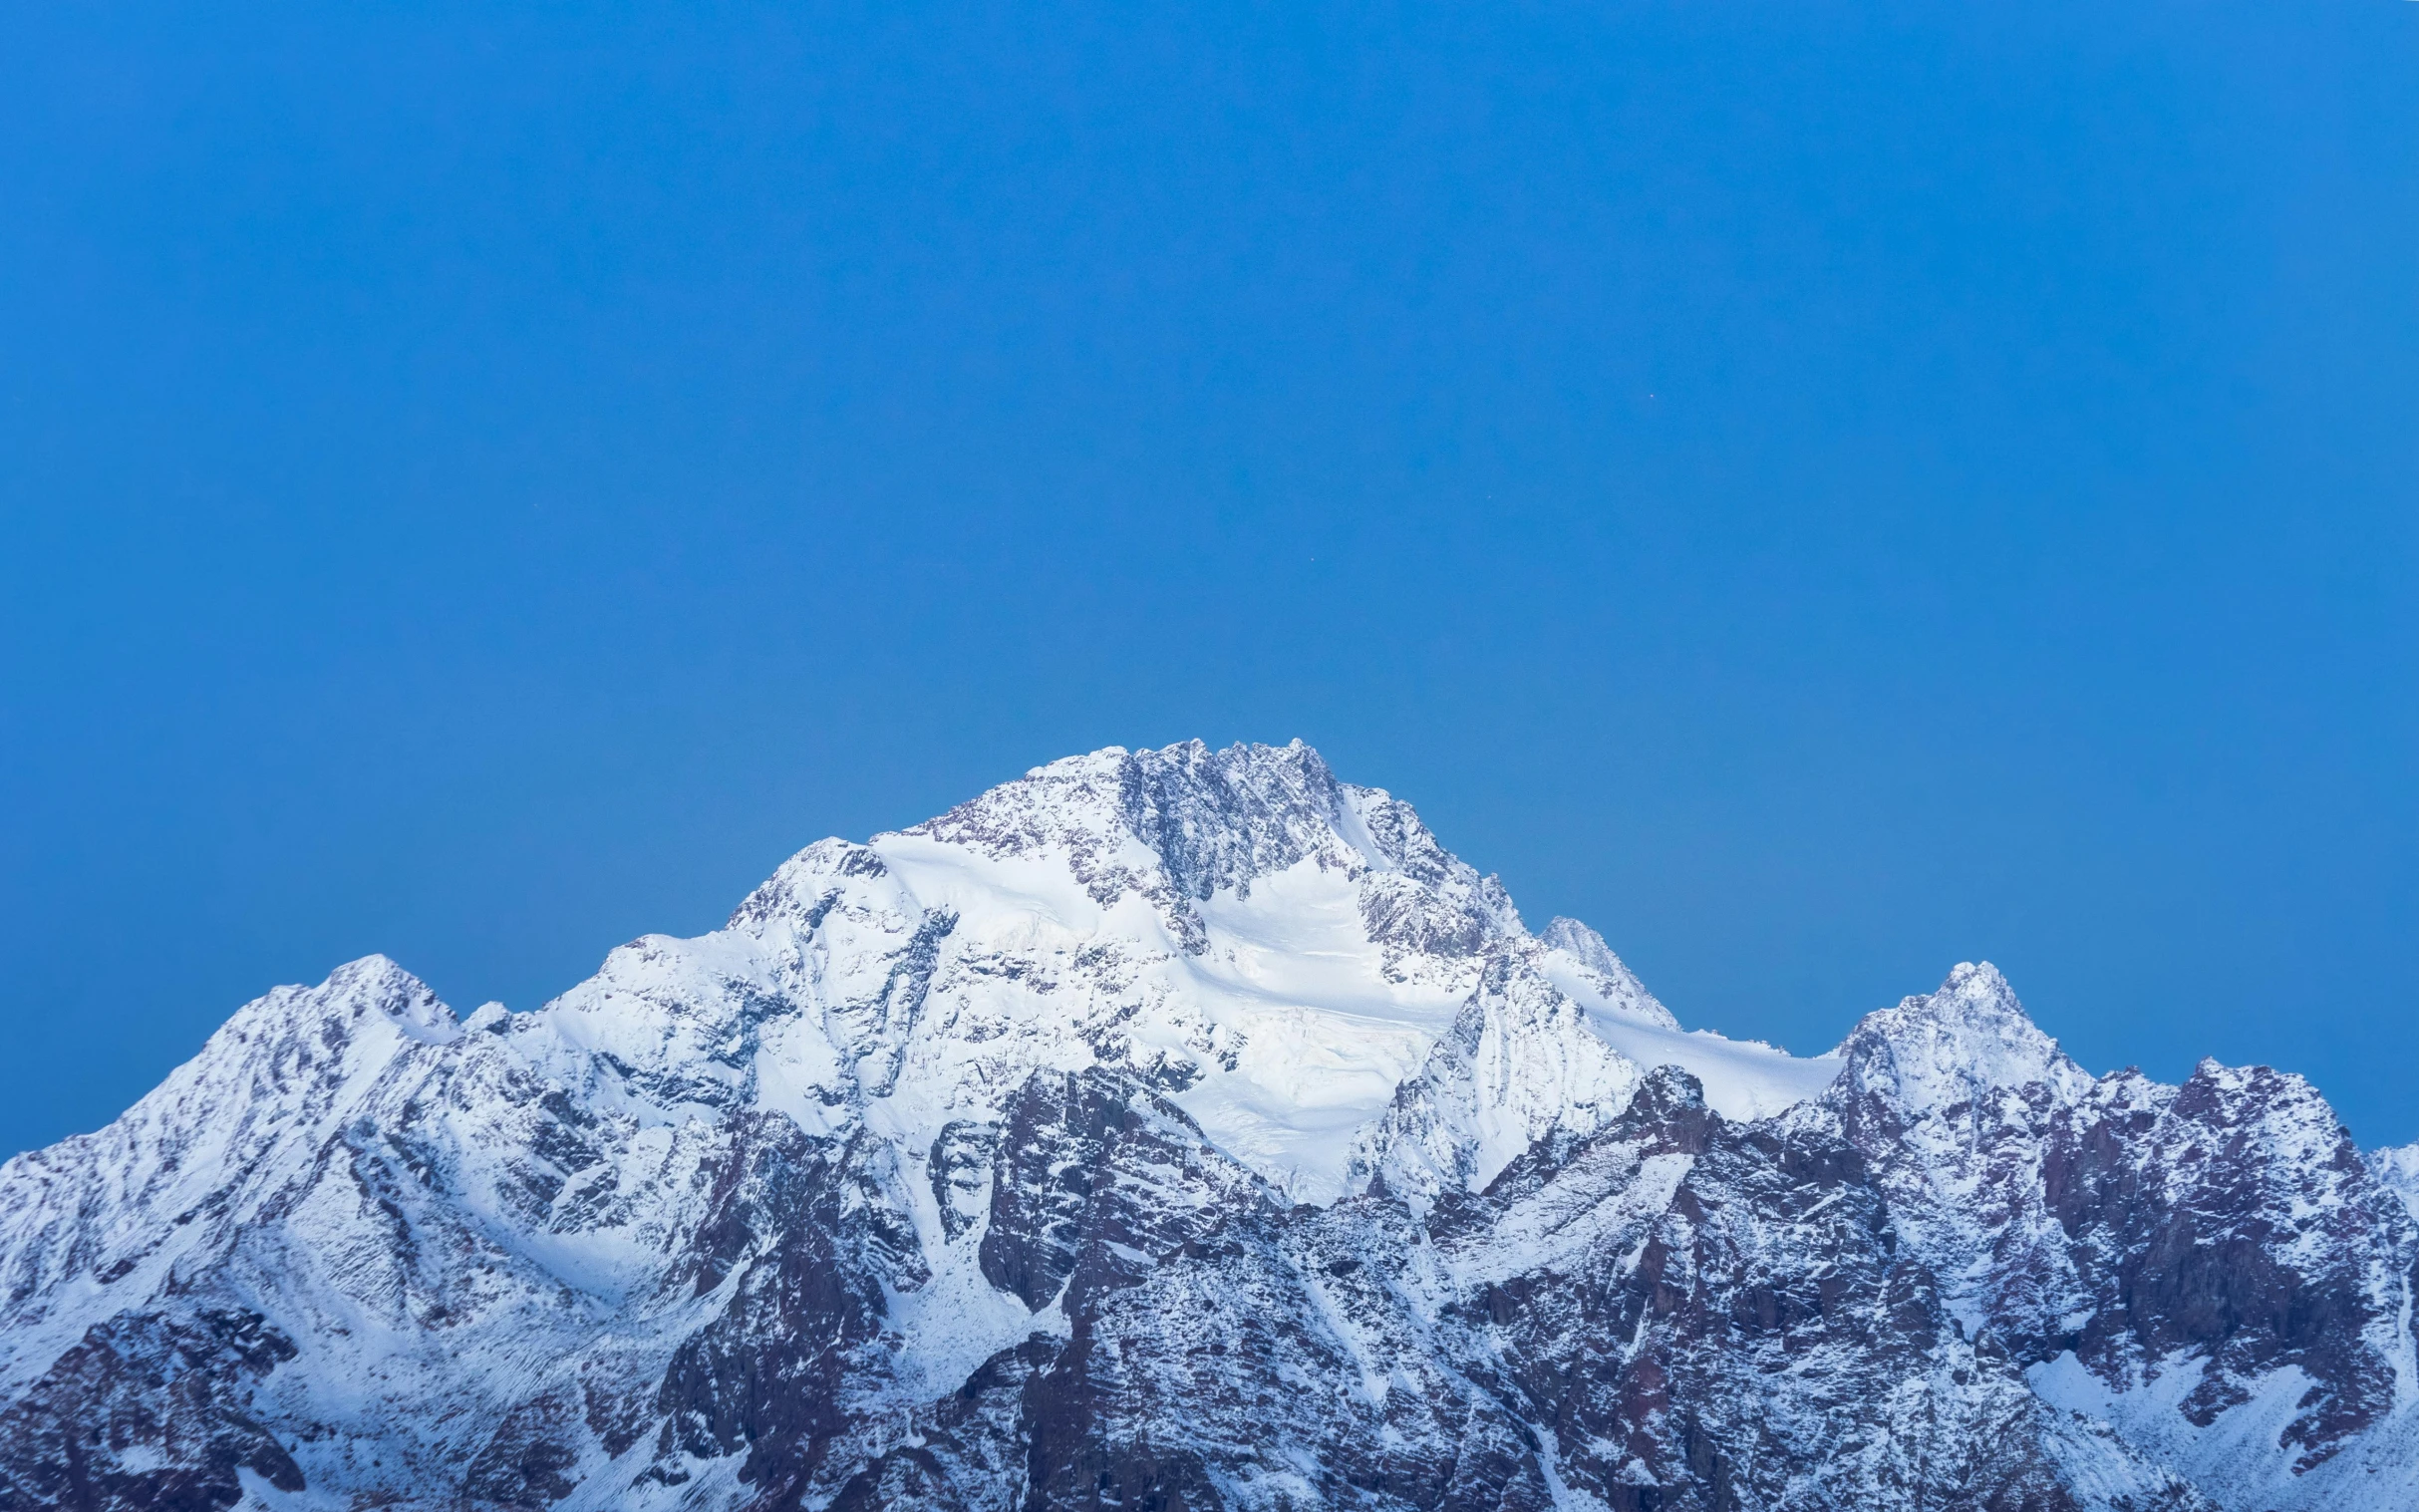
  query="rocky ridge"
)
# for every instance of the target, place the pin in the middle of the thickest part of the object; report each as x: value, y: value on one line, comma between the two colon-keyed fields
x: 1187, y: 1128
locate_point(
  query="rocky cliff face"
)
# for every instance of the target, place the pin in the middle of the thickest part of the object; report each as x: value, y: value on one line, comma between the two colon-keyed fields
x: 2213, y: 1267
x: 1188, y: 1129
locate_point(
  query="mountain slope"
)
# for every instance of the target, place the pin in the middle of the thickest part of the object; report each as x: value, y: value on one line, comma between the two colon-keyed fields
x: 1184, y: 1128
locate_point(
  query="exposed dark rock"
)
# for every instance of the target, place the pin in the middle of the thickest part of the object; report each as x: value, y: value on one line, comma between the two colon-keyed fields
x: 147, y: 1412
x: 884, y: 1198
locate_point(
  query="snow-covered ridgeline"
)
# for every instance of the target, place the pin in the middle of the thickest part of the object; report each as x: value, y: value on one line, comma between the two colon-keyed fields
x: 931, y: 1101
x: 1275, y: 950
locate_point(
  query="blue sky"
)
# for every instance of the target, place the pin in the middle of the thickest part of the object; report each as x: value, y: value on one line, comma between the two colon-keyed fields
x: 1821, y: 491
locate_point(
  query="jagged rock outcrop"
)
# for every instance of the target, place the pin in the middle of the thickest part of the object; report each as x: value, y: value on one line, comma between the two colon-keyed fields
x: 1187, y: 1129
x: 2211, y: 1266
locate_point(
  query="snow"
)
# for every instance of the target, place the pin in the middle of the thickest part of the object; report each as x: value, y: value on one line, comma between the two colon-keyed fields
x: 2237, y: 1453
x: 2397, y: 1168
x: 1295, y: 962
x: 1744, y: 1079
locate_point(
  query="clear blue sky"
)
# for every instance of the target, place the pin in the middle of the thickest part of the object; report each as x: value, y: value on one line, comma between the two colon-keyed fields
x: 1819, y: 490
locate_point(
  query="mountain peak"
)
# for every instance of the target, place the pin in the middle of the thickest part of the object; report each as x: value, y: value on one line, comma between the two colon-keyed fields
x: 372, y: 988
x: 377, y: 981
x: 1949, y: 1046
x: 1211, y: 818
x: 1588, y: 947
x: 1184, y: 824
x: 1604, y: 981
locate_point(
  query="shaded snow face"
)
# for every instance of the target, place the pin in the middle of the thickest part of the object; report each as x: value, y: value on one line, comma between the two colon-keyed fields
x: 943, y: 1129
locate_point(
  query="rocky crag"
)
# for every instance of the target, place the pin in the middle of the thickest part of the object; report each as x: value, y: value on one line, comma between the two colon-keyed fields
x: 1188, y: 1129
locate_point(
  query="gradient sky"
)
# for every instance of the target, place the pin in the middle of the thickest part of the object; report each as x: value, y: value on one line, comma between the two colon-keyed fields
x: 1820, y: 490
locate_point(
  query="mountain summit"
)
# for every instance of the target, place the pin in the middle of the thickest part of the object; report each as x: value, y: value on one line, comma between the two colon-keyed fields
x: 1187, y: 1128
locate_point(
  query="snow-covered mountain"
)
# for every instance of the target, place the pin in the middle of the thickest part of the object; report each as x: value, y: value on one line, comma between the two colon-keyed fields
x: 1185, y: 1129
